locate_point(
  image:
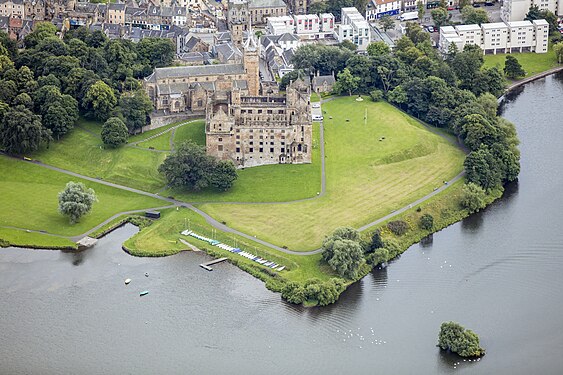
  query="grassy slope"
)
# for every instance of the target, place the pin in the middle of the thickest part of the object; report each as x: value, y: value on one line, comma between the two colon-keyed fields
x: 83, y: 152
x: 25, y: 185
x: 366, y: 178
x: 21, y: 238
x: 162, y: 142
x: 268, y: 183
x: 194, y: 131
x: 533, y: 63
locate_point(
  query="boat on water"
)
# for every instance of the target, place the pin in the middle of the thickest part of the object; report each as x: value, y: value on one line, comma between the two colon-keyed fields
x: 144, y: 293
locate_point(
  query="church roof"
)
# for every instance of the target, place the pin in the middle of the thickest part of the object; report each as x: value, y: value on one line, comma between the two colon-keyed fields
x: 317, y: 81
x: 187, y: 71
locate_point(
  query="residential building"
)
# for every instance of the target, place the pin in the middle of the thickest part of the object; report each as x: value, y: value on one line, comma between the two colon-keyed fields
x: 298, y: 6
x: 307, y: 24
x: 323, y: 84
x: 280, y: 25
x: 412, y: 5
x: 180, y: 16
x: 354, y: 28
x: 516, y: 10
x: 498, y: 37
x: 116, y: 13
x: 327, y: 24
x: 12, y: 8
x: 260, y: 10
x: 379, y: 8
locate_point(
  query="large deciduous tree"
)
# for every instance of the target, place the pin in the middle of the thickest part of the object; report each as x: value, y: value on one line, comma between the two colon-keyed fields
x: 21, y: 131
x: 114, y: 132
x: 459, y: 340
x: 76, y: 200
x: 346, y: 82
x: 135, y: 109
x: 471, y: 15
x: 190, y: 167
x: 99, y: 100
x: 343, y: 252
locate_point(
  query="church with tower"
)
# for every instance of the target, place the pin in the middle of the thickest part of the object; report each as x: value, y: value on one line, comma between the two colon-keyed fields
x: 244, y: 125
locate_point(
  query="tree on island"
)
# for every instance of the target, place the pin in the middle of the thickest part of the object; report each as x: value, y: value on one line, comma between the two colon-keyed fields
x: 512, y: 68
x: 76, y: 200
x: 190, y: 167
x: 343, y: 252
x: 114, y: 132
x: 457, y: 339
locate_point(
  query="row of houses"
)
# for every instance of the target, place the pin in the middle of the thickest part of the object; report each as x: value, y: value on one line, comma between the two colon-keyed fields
x: 498, y: 37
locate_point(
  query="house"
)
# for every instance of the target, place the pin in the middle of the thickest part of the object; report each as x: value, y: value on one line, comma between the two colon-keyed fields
x: 379, y: 8
x: 323, y: 84
x: 228, y: 53
x: 116, y: 13
x: 354, y: 28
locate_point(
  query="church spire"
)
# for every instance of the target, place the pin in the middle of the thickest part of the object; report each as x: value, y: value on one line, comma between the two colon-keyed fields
x: 250, y: 44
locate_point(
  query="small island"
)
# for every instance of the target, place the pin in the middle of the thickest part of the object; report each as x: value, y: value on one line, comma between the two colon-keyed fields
x: 456, y: 339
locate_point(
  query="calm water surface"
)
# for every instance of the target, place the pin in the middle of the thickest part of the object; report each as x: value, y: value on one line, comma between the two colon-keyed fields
x: 498, y: 272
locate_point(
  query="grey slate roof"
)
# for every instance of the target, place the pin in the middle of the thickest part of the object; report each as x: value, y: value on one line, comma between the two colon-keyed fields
x: 287, y: 37
x: 266, y: 4
x: 136, y: 11
x: 228, y: 50
x: 186, y: 71
x: 116, y: 6
x: 320, y: 80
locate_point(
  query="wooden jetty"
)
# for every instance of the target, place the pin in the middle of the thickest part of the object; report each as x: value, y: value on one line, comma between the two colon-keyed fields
x: 214, y: 261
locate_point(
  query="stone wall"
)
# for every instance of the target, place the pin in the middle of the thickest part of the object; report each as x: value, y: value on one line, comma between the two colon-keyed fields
x: 158, y: 121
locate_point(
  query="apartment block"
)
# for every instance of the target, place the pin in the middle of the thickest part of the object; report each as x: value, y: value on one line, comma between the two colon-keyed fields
x: 498, y: 37
x: 280, y: 25
x: 307, y: 24
x: 12, y: 8
x: 354, y: 28
x: 516, y: 10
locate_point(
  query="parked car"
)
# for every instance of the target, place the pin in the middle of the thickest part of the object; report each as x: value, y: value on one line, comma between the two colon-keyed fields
x: 451, y: 7
x: 489, y: 4
x: 476, y: 5
x: 430, y: 29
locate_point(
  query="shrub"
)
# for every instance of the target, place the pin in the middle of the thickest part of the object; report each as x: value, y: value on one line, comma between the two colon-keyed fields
x: 376, y: 242
x: 426, y: 221
x: 379, y: 256
x: 473, y: 197
x: 393, y: 248
x: 398, y: 227
x: 114, y: 132
x: 459, y: 340
x: 293, y: 293
x: 376, y: 95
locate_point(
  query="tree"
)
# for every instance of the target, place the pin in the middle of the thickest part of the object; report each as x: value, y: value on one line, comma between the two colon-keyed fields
x: 512, y: 68
x: 455, y: 338
x: 386, y: 22
x: 99, y: 100
x: 471, y: 15
x: 76, y: 200
x: 343, y: 252
x: 158, y: 52
x: 376, y: 95
x: 473, y: 197
x: 346, y: 82
x: 558, y: 49
x: 467, y: 64
x: 21, y: 131
x: 426, y: 222
x: 349, y: 45
x: 421, y: 9
x: 135, y: 109
x: 483, y: 168
x: 114, y: 132
x: 440, y: 17
x: 376, y: 241
x: 190, y: 167
x: 534, y: 13
x: 41, y: 30
x: 318, y: 7
x: 378, y: 49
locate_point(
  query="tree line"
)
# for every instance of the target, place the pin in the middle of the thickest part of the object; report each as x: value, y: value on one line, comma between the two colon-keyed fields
x: 45, y: 87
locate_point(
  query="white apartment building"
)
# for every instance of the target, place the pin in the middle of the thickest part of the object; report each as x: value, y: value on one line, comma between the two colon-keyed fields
x: 327, y: 23
x: 307, y: 24
x: 180, y: 16
x: 280, y: 25
x: 498, y: 37
x: 13, y: 8
x: 412, y: 5
x: 379, y: 8
x: 516, y: 10
x: 354, y: 28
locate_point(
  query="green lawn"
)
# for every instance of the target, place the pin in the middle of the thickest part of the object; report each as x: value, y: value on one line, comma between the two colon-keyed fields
x: 162, y: 142
x: 21, y: 238
x: 29, y: 199
x: 366, y: 178
x: 268, y: 183
x: 161, y: 238
x: 194, y: 131
x: 533, y: 63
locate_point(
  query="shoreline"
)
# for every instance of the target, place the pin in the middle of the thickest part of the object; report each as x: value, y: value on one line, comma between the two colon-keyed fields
x: 524, y: 81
